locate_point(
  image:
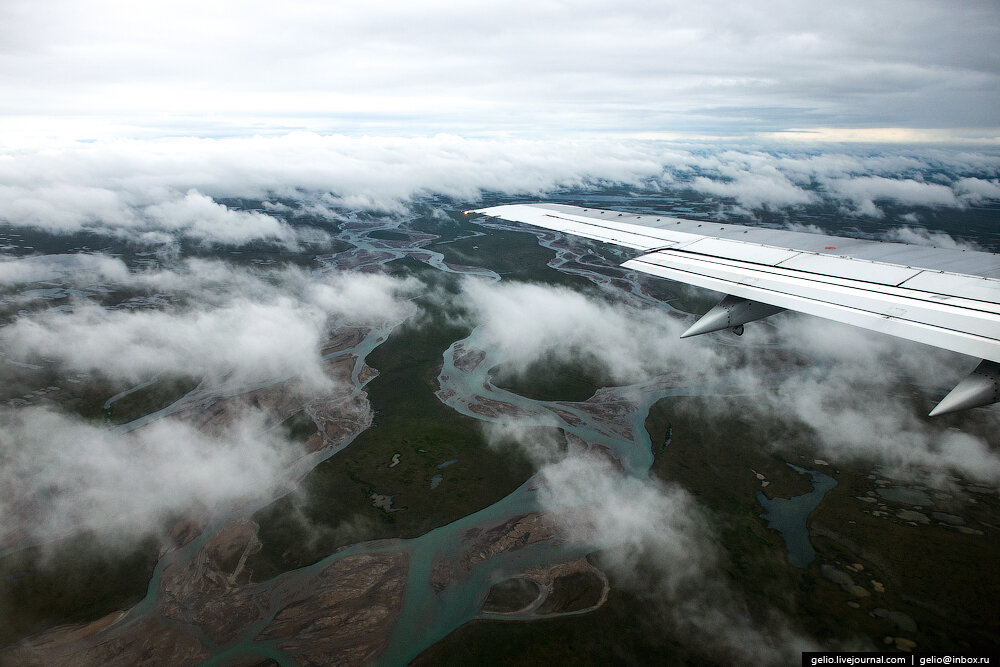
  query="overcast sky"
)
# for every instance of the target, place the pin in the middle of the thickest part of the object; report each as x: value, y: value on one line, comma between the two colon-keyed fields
x: 930, y: 69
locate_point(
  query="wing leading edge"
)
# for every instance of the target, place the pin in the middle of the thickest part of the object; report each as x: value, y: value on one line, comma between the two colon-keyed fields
x: 949, y: 298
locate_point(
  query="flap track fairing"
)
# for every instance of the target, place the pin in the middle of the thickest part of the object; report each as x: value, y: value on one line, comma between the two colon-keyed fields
x: 981, y: 387
x: 731, y: 313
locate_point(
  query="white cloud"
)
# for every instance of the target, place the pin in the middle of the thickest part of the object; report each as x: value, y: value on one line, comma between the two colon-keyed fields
x: 539, y: 439
x: 757, y: 190
x: 255, y: 341
x: 978, y: 190
x: 63, y: 476
x: 852, y: 394
x: 152, y: 191
x: 862, y: 192
x: 61, y: 206
x: 171, y: 185
x: 659, y: 541
x: 919, y: 236
x: 238, y: 324
x: 82, y: 267
x: 71, y: 207
x: 365, y: 298
x: 528, y: 323
x: 200, y: 217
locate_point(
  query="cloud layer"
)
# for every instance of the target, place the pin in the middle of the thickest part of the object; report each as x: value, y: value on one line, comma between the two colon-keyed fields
x: 154, y: 191
x: 213, y: 320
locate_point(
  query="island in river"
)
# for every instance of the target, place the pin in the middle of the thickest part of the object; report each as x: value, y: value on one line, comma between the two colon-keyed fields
x: 461, y: 562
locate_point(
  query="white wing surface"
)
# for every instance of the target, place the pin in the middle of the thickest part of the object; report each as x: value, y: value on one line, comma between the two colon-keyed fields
x: 949, y: 298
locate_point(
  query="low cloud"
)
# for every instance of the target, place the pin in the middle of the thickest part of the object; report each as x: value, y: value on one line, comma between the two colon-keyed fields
x: 152, y: 192
x: 850, y: 387
x: 149, y: 218
x: 63, y: 476
x: 659, y: 541
x: 246, y: 326
x: 865, y: 396
x: 359, y: 298
x: 539, y: 439
x: 926, y: 237
x: 199, y: 217
x: 81, y: 267
x: 757, y: 190
x: 150, y: 186
x: 528, y: 323
x: 978, y: 190
x: 251, y: 341
x: 863, y: 192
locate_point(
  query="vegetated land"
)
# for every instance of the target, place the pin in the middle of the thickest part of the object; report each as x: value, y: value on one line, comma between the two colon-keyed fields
x: 931, y: 584
x: 335, y: 500
x: 70, y: 582
x: 939, y: 578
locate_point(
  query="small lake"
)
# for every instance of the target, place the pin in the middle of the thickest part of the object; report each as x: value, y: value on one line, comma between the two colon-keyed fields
x: 789, y: 516
x: 901, y: 494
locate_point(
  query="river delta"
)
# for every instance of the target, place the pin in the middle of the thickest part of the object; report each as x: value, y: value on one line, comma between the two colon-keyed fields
x: 401, y: 534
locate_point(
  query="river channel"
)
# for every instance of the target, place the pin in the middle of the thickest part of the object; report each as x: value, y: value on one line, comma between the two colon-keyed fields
x: 429, y: 613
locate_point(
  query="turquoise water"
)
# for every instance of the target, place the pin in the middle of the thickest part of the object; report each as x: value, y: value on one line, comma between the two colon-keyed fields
x: 132, y: 390
x: 428, y: 615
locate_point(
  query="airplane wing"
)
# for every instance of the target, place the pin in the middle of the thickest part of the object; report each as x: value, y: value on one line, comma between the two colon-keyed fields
x: 949, y: 298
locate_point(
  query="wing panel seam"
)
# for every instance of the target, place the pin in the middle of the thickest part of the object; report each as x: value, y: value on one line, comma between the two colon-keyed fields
x: 973, y: 340
x: 829, y: 280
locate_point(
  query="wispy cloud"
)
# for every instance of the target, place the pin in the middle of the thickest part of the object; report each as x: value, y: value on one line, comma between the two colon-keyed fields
x: 82, y: 267
x: 848, y: 392
x: 202, y: 218
x: 63, y: 476
x: 256, y: 341
x: 862, y: 192
x: 660, y: 543
x: 851, y: 395
x: 919, y: 236
x: 246, y: 326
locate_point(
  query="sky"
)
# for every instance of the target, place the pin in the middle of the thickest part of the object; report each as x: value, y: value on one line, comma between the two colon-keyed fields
x: 884, y: 70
